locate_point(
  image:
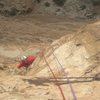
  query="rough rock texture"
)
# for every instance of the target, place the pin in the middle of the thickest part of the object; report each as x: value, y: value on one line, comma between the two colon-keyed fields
x: 14, y: 31
x: 79, y: 55
x: 79, y: 8
x: 94, y: 29
x: 73, y: 8
x: 13, y: 7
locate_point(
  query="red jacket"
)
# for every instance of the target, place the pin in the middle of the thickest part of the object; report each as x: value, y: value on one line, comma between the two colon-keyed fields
x: 26, y: 62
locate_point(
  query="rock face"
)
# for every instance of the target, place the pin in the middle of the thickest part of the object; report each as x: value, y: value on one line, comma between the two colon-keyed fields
x: 94, y: 29
x: 13, y: 7
x: 75, y: 53
x: 73, y: 8
x: 78, y: 54
x: 79, y: 8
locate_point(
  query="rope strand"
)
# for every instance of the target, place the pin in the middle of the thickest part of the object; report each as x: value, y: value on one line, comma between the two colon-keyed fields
x: 56, y: 81
x: 71, y: 87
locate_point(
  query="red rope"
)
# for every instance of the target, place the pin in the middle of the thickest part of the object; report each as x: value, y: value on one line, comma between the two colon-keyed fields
x: 72, y: 90
x: 56, y: 81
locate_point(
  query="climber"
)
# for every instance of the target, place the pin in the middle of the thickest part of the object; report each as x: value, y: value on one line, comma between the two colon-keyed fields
x: 26, y: 62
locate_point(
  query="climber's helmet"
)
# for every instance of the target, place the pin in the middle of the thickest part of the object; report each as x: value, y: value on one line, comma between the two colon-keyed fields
x: 23, y: 57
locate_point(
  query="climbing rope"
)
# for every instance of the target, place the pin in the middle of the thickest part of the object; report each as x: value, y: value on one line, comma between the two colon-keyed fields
x: 56, y: 81
x: 71, y: 87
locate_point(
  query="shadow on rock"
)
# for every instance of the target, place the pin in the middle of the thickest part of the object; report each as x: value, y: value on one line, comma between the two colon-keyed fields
x: 45, y: 81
